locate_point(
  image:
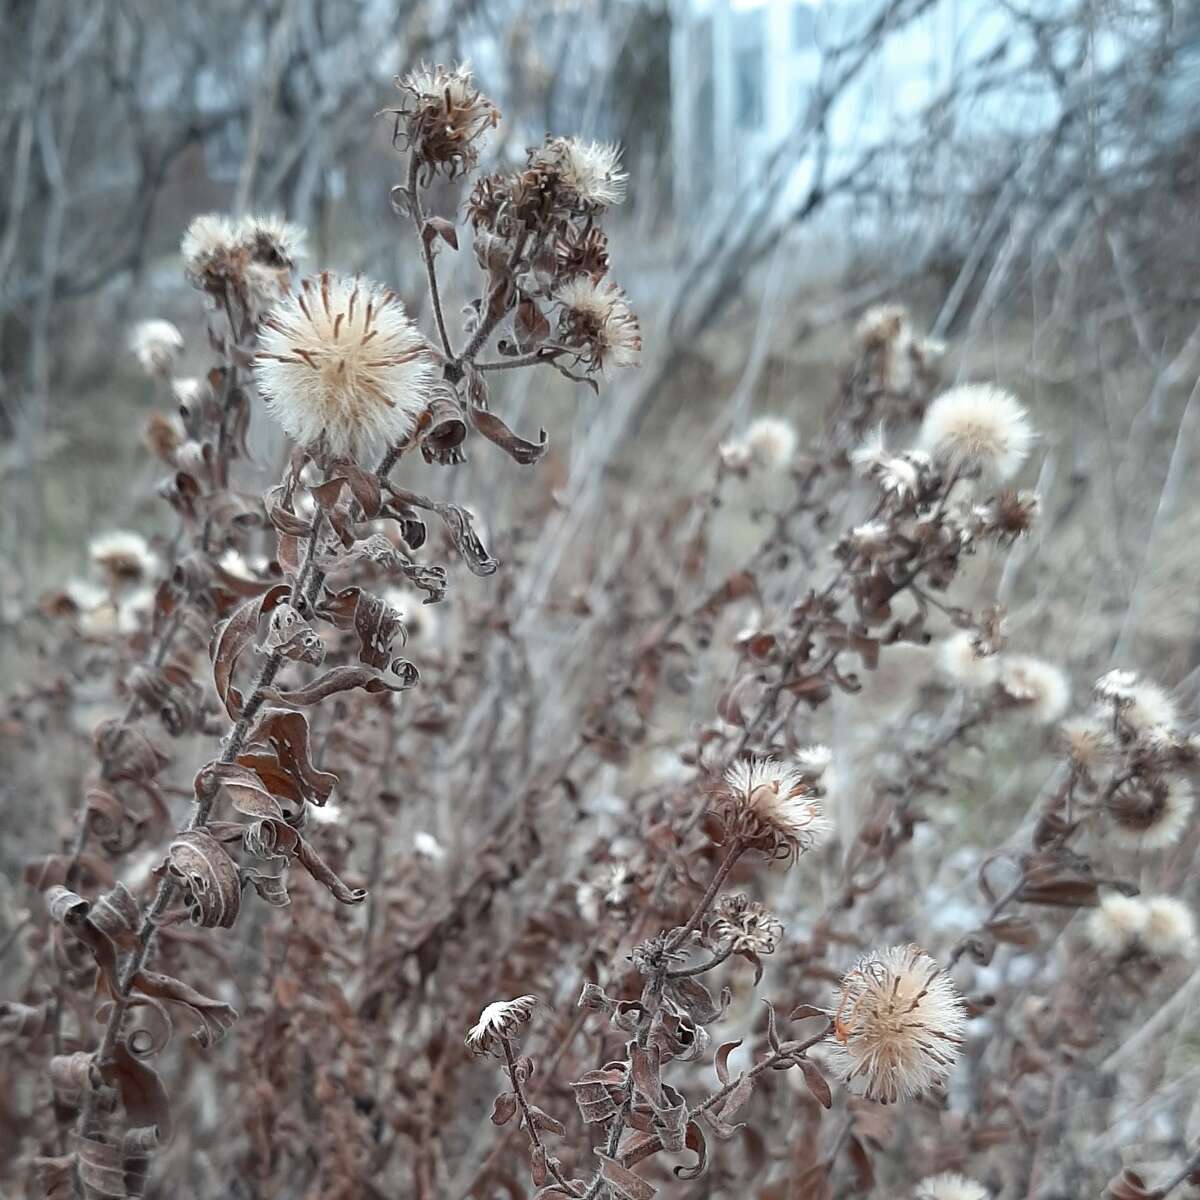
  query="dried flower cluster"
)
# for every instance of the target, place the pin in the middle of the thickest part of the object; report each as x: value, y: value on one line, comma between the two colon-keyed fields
x: 400, y: 853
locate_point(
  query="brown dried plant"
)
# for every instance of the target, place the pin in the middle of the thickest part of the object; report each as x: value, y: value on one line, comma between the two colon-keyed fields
x: 622, y: 806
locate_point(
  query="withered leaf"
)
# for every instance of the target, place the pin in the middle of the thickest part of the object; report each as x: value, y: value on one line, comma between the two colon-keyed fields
x: 215, y: 1016
x: 695, y: 1141
x: 623, y: 1182
x: 73, y: 913
x: 141, y: 1090
x: 458, y: 522
x: 287, y: 733
x: 721, y: 1061
x: 22, y: 1022
x: 818, y: 1085
x: 439, y: 227
x: 499, y: 434
x: 208, y: 877
x: 504, y: 1107
x: 230, y: 641
x: 343, y: 679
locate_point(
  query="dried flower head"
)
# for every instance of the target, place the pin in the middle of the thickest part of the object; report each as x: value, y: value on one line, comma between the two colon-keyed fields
x: 587, y: 175
x: 156, y: 345
x: 898, y: 475
x: 1170, y: 929
x: 609, y: 888
x: 961, y: 658
x: 657, y: 953
x: 124, y: 557
x: 881, y: 325
x: 597, y: 324
x: 1115, y: 687
x: 1116, y: 923
x: 1087, y: 741
x: 442, y: 118
x: 341, y: 366
x: 1035, y: 686
x: 1006, y: 516
x: 898, y: 1024
x: 501, y: 1019
x: 1147, y: 706
x: 1150, y: 814
x: 745, y: 925
x: 273, y: 241
x: 163, y: 434
x: 949, y: 1187
x: 211, y: 252
x: 773, y: 807
x: 977, y: 428
x: 271, y: 247
x: 771, y: 442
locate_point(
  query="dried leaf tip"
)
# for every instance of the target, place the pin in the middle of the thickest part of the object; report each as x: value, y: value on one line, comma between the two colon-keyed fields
x: 500, y: 1019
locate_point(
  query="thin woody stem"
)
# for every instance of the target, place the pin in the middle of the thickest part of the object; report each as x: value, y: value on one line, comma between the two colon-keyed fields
x: 535, y: 1137
x: 788, y: 1050
x: 204, y: 802
x: 418, y: 214
x: 715, y: 961
x: 736, y: 850
x: 525, y: 360
x: 495, y: 313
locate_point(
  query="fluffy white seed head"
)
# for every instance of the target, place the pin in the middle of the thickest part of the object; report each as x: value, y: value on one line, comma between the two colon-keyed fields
x: 898, y: 1025
x: 1037, y: 687
x: 1087, y: 740
x: 1170, y: 928
x: 272, y: 240
x: 1150, y: 707
x: 881, y: 325
x: 156, y: 345
x: 124, y: 557
x: 500, y: 1019
x: 341, y: 366
x: 949, y: 1186
x: 977, y: 427
x: 598, y: 324
x: 773, y: 805
x: 208, y: 236
x: 1115, y: 925
x: 771, y: 442
x: 592, y: 170
x: 960, y: 661
x: 1153, y: 817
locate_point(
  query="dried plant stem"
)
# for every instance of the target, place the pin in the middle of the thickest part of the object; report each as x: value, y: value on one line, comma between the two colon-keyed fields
x: 787, y: 1050
x: 525, y: 360
x: 166, y: 889
x: 495, y: 313
x: 535, y: 1137
x: 736, y: 849
x: 426, y: 244
x: 715, y: 961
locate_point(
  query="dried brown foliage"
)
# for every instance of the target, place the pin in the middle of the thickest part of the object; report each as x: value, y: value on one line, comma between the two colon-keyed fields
x: 344, y: 849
